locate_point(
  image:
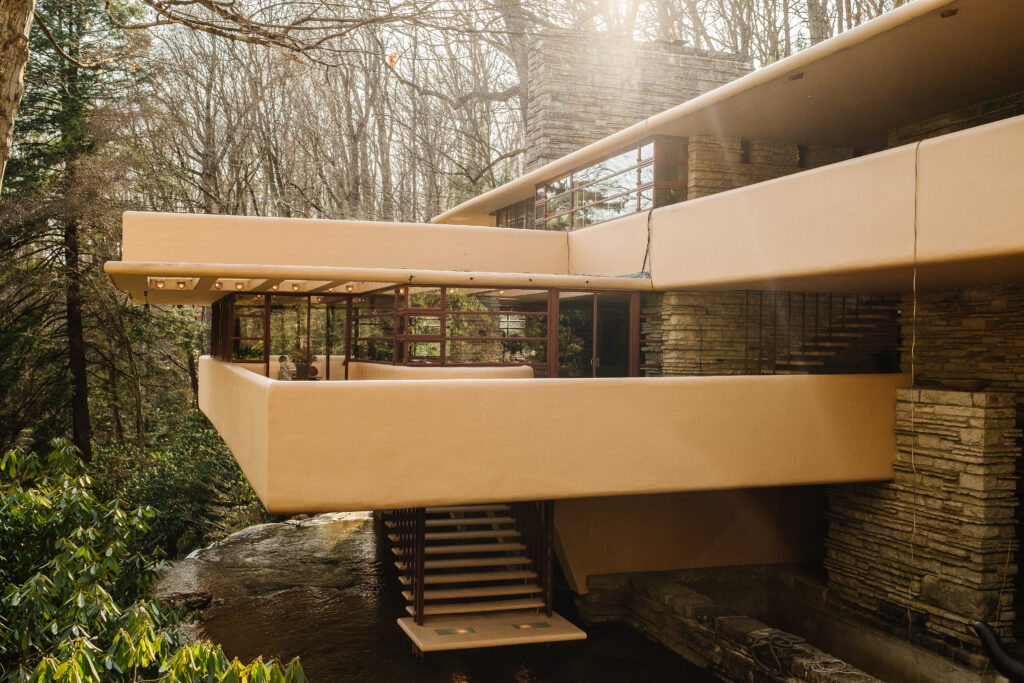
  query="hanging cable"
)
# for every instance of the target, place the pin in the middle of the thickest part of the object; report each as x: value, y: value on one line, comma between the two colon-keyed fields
x: 913, y: 395
x: 647, y: 251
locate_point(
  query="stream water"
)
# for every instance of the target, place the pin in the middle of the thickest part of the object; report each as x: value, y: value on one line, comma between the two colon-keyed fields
x: 323, y: 589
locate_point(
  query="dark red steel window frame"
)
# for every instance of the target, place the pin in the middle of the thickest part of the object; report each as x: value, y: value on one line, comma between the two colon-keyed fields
x: 396, y: 343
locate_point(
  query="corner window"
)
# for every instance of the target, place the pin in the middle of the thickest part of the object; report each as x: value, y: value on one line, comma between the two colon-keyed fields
x: 649, y: 175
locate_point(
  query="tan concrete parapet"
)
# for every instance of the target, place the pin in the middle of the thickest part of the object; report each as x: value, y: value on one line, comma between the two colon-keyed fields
x: 218, y: 239
x: 850, y: 226
x: 317, y: 446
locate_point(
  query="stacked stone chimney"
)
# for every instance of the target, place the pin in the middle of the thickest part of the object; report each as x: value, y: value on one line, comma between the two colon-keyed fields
x: 584, y: 87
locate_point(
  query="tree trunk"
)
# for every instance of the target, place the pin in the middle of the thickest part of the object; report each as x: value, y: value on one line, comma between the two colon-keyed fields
x: 193, y: 376
x: 115, y: 408
x: 387, y: 189
x: 81, y: 429
x: 140, y: 418
x: 15, y: 24
x: 817, y: 20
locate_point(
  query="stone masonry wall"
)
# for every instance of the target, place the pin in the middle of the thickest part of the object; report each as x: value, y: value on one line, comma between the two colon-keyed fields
x: 960, y: 119
x: 935, y: 549
x: 584, y: 87
x: 717, y: 164
x: 716, y: 637
x: 652, y: 336
x: 972, y: 333
x: 744, y: 332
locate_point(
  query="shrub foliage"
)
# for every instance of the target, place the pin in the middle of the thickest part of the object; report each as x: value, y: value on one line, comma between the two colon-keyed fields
x: 74, y: 577
x: 188, y: 477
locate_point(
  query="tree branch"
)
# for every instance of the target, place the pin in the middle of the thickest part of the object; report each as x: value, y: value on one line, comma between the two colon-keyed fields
x: 53, y: 42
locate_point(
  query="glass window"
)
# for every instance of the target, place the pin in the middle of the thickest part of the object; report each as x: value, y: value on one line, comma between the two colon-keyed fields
x: 288, y: 326
x: 559, y: 223
x: 608, y: 187
x: 424, y: 352
x: 619, y: 162
x: 247, y: 313
x: 424, y: 297
x: 611, y: 208
x: 475, y: 352
x: 646, y: 199
x: 423, y: 325
x: 558, y: 204
x: 556, y: 187
x: 514, y: 216
x: 373, y: 351
x: 612, y: 187
x: 647, y: 174
x: 462, y: 324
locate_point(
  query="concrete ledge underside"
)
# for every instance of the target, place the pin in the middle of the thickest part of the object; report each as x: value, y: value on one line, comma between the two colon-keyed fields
x: 467, y: 631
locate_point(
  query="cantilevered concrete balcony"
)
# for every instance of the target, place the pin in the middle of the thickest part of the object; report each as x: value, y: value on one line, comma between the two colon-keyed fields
x: 372, y: 444
x: 951, y: 205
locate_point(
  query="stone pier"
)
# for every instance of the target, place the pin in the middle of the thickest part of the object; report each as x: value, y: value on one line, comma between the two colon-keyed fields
x: 932, y: 551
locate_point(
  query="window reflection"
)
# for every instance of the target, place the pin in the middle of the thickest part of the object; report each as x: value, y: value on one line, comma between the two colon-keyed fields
x: 652, y: 174
x: 312, y: 337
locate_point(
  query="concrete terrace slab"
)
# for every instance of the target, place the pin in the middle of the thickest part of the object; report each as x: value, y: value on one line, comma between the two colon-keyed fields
x: 467, y: 631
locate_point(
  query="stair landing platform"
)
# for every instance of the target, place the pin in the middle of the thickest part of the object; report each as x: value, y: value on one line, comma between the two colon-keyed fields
x: 466, y: 631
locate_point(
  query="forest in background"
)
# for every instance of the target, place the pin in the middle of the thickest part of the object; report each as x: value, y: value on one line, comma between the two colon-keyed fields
x: 297, y: 109
x: 395, y: 119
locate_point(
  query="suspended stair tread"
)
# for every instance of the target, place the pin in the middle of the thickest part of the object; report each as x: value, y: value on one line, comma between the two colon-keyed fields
x: 474, y: 548
x: 455, y: 535
x: 463, y: 632
x: 469, y: 521
x: 460, y: 521
x: 473, y: 577
x: 473, y: 607
x: 468, y: 508
x: 479, y: 533
x: 475, y: 592
x: 459, y: 562
x: 468, y: 548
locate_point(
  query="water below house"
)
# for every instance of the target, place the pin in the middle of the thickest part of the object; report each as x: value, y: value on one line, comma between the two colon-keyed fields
x: 323, y: 589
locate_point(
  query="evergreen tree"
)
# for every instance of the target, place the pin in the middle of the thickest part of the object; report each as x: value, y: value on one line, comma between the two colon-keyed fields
x: 78, y: 63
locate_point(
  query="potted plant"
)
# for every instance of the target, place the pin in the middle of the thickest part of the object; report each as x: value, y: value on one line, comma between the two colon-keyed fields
x: 299, y: 359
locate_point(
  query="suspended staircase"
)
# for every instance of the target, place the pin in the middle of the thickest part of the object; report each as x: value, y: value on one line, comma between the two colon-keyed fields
x: 477, y: 575
x: 842, y: 334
